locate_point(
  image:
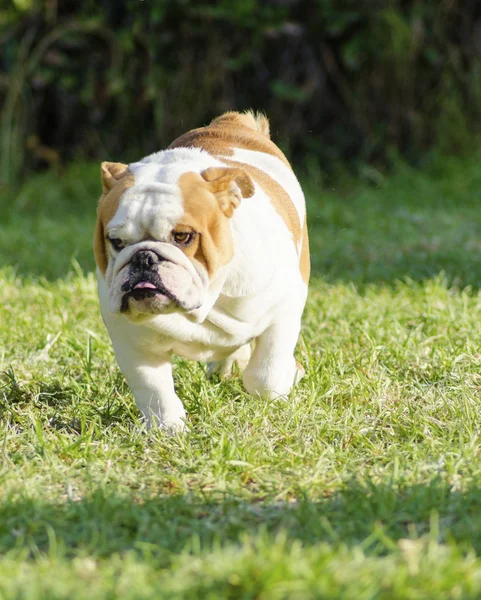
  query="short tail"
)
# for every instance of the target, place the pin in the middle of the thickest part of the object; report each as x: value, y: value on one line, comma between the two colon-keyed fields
x: 250, y: 119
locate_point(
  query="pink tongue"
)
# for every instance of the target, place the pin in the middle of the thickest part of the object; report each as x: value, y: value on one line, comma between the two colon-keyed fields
x: 144, y: 285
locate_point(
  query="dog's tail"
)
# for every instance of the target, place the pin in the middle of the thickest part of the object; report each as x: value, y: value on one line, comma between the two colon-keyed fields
x: 249, y: 118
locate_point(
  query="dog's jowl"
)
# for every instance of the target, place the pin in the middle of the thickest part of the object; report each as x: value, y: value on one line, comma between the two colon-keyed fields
x: 202, y: 251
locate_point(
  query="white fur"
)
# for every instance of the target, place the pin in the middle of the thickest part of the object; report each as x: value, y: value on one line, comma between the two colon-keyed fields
x: 140, y: 208
x: 259, y: 296
x: 274, y: 167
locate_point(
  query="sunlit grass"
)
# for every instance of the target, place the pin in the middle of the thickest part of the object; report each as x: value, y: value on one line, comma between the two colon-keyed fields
x: 364, y: 484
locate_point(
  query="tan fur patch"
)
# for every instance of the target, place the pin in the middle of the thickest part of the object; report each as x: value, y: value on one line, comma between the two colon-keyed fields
x: 258, y: 122
x: 305, y: 260
x: 229, y: 131
x: 108, y: 205
x: 213, y: 247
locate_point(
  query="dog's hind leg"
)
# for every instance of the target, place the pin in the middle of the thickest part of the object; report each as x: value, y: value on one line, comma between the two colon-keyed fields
x: 273, y: 370
x: 223, y: 368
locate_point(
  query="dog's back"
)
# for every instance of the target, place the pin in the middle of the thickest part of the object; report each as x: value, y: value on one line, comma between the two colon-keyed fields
x: 243, y: 140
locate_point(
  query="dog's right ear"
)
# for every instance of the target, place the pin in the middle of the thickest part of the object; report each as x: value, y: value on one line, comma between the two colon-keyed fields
x: 111, y: 173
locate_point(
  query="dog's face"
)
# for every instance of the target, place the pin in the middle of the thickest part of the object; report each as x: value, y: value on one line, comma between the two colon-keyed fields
x: 161, y: 238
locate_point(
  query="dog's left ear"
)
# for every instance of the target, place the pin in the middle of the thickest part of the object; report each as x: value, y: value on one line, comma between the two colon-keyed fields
x: 229, y: 185
x: 110, y: 173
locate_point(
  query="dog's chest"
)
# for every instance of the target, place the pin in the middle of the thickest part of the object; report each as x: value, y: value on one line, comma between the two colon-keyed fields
x: 204, y: 341
x: 229, y: 325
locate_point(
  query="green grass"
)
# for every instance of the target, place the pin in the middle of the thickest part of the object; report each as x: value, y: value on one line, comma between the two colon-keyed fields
x: 365, y: 484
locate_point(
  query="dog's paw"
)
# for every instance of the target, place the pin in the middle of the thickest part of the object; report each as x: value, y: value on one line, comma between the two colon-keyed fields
x: 221, y: 368
x: 171, y: 424
x: 174, y: 427
x: 224, y: 368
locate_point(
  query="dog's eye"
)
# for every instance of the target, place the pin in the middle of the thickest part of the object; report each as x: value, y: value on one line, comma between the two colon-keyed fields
x: 117, y: 243
x: 183, y: 237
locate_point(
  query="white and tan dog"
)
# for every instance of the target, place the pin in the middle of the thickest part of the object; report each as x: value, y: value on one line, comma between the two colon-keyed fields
x: 201, y: 250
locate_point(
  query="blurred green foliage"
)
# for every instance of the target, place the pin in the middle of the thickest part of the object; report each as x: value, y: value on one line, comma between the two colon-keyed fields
x: 341, y: 81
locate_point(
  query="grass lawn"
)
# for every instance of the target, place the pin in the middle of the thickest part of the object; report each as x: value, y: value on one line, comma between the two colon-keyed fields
x: 363, y: 484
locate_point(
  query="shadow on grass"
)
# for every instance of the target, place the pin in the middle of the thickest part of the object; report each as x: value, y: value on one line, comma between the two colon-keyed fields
x: 376, y: 516
x: 61, y: 402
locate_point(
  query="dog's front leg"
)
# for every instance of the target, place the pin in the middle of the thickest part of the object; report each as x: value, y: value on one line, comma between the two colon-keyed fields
x: 150, y: 379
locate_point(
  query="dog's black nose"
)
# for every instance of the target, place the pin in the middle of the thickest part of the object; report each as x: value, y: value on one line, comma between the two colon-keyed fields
x: 145, y: 259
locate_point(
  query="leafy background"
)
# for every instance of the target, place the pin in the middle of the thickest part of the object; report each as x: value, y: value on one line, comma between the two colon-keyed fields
x: 343, y: 82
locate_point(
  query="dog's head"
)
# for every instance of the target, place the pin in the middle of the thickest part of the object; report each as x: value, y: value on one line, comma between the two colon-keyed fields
x: 163, y: 235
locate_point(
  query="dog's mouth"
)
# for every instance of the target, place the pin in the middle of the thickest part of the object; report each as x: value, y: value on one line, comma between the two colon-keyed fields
x: 153, y: 285
x: 146, y: 289
x: 143, y: 289
x: 144, y: 286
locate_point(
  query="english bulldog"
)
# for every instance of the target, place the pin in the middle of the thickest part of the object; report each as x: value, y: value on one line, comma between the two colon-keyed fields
x: 202, y: 251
